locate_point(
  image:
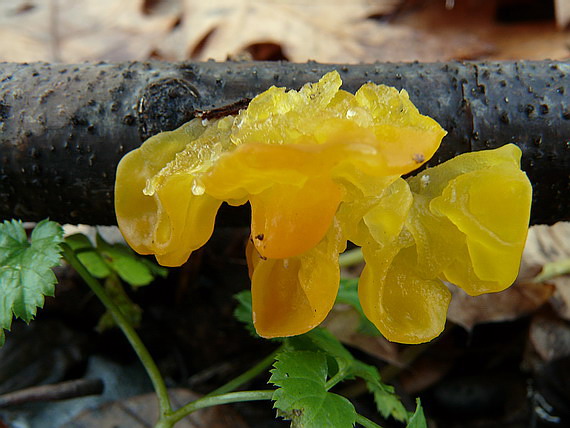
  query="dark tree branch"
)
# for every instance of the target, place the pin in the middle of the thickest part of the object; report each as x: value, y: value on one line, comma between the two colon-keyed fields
x: 63, y: 128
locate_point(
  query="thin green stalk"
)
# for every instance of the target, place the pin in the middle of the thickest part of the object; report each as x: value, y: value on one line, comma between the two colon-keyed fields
x: 339, y: 377
x: 351, y: 257
x: 552, y: 270
x: 209, y: 401
x: 126, y: 328
x: 365, y: 422
x: 259, y: 368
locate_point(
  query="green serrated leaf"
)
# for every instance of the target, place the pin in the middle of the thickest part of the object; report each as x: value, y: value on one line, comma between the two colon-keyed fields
x: 88, y: 255
x: 131, y: 311
x: 387, y: 402
x: 243, y: 311
x: 418, y: 419
x: 348, y: 294
x: 322, y: 340
x: 302, y: 396
x: 26, y: 268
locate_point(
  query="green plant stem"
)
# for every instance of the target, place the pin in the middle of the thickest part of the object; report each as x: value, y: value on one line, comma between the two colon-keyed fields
x: 208, y: 401
x: 552, y: 270
x: 339, y: 377
x: 126, y: 328
x: 365, y: 422
x: 351, y: 257
x: 248, y: 375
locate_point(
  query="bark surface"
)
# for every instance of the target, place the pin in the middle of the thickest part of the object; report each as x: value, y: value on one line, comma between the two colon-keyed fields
x: 64, y: 128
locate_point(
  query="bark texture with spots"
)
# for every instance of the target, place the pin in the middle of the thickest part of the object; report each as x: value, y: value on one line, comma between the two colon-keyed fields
x: 64, y: 128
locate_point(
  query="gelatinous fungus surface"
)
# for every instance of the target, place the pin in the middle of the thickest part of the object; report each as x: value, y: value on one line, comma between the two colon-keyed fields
x: 321, y: 166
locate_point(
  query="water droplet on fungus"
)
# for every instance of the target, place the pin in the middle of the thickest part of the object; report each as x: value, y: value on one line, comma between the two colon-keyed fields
x: 418, y: 157
x: 198, y: 188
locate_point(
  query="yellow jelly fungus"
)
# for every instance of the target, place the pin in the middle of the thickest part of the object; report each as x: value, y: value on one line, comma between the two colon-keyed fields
x: 289, y: 295
x: 321, y: 166
x: 464, y: 221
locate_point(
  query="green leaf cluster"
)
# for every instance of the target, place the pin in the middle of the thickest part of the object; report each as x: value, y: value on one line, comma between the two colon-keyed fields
x: 130, y: 310
x: 111, y: 262
x: 104, y: 259
x: 26, y: 275
x: 313, y: 363
x: 303, y: 396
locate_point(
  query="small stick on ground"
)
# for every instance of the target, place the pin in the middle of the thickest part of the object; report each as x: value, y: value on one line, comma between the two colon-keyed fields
x: 57, y: 391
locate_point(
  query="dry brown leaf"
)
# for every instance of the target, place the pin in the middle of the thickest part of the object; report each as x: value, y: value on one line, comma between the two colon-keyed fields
x: 425, y: 372
x: 415, y: 368
x: 343, y: 321
x: 519, y: 300
x: 321, y: 30
x: 73, y: 31
x: 546, y: 244
x: 562, y: 9
x: 535, y: 40
x: 142, y: 411
x: 550, y: 337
